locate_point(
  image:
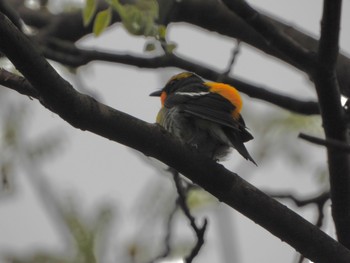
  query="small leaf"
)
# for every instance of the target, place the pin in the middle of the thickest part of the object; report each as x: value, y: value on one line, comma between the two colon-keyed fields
x: 138, y: 18
x: 102, y: 21
x: 162, y: 32
x: 150, y: 46
x: 170, y: 47
x: 197, y: 199
x: 89, y: 11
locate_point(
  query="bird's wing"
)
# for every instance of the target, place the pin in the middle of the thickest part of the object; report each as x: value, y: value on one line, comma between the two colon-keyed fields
x: 214, y: 108
x: 206, y: 105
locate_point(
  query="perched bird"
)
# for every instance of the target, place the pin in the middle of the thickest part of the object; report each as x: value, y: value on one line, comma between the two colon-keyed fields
x: 203, y: 114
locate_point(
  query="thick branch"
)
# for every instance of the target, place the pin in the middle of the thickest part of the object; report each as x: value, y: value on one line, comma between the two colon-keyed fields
x: 319, y: 200
x: 272, y: 36
x: 333, y: 118
x: 10, y: 13
x: 85, y: 113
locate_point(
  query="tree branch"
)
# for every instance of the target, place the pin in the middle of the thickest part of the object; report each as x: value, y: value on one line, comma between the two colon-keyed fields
x: 235, y: 52
x: 333, y: 117
x: 68, y: 54
x: 17, y: 83
x: 10, y: 13
x: 330, y: 143
x: 214, y: 16
x: 319, y: 200
x: 168, y: 235
x: 210, y: 14
x: 199, y: 231
x: 273, y: 37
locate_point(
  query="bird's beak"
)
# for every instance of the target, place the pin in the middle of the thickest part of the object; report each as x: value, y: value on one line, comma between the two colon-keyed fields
x: 156, y: 93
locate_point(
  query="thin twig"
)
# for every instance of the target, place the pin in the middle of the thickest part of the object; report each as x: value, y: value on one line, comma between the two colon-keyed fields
x: 236, y: 50
x: 199, y: 231
x: 331, y: 143
x: 320, y: 202
x: 168, y: 235
x: 320, y: 199
x: 271, y: 34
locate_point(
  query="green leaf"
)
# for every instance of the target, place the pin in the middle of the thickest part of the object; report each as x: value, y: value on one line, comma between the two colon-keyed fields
x: 102, y: 21
x: 162, y: 32
x: 197, y: 199
x: 138, y: 18
x: 89, y: 11
x: 150, y: 46
x: 170, y: 47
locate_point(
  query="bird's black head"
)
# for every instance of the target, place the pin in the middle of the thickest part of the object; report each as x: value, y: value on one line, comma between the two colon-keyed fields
x: 178, y: 81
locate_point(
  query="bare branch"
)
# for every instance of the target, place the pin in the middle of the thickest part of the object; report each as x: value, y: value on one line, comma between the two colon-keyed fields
x: 17, y: 83
x: 68, y: 54
x: 168, y: 235
x: 333, y: 117
x: 273, y: 37
x: 337, y: 145
x: 199, y: 231
x: 318, y: 200
x: 235, y: 53
x: 11, y: 13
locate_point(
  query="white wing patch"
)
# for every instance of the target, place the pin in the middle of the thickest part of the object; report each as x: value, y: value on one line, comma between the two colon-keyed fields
x: 192, y: 94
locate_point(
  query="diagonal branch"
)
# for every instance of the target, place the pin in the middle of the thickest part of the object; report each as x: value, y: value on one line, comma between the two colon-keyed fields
x: 7, y: 9
x: 85, y: 113
x: 319, y: 200
x: 17, y: 83
x: 273, y: 37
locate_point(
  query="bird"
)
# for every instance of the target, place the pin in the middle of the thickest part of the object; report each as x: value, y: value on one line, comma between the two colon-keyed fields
x: 205, y: 115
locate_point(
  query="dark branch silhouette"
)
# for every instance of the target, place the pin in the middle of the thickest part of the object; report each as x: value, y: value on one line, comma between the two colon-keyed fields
x: 272, y: 35
x: 17, y: 83
x: 337, y: 145
x: 199, y: 231
x: 319, y: 200
x: 333, y: 117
